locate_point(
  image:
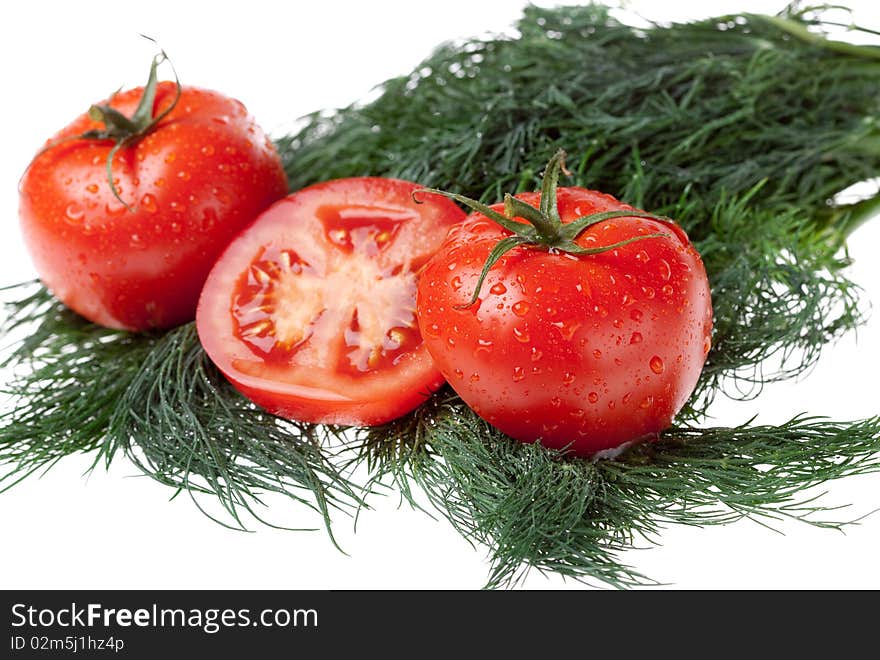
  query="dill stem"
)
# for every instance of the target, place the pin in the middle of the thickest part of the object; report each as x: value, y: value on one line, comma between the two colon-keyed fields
x: 800, y: 31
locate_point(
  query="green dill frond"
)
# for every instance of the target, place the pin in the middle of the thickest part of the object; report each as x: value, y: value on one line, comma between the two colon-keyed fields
x: 156, y: 398
x: 735, y: 127
x: 743, y: 128
x: 537, y: 510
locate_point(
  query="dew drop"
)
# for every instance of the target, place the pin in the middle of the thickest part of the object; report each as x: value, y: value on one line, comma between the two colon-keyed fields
x: 567, y: 378
x: 518, y: 374
x: 521, y: 334
x: 611, y: 405
x: 707, y: 344
x: 451, y: 342
x: 170, y: 157
x: 656, y: 364
x: 498, y: 289
x: 627, y: 397
x: 636, y: 338
x: 537, y: 354
x: 475, y: 377
x: 74, y: 212
x: 618, y: 362
x: 452, y: 266
x: 484, y: 346
x: 647, y: 402
x: 92, y: 188
x: 593, y: 397
x: 520, y: 308
x: 555, y: 402
x: 459, y: 373
x: 159, y: 182
x: 455, y: 282
x: 208, y: 150
x: 183, y: 175
x: 176, y: 227
x: 433, y: 330
x: 667, y: 290
x: 649, y: 292
x: 665, y: 270
x: 617, y: 323
x: 643, y: 257
x: 597, y: 354
x: 636, y: 315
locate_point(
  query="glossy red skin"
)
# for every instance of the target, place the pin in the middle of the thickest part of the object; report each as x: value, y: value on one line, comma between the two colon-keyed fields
x: 202, y: 174
x: 568, y: 353
x: 310, y: 393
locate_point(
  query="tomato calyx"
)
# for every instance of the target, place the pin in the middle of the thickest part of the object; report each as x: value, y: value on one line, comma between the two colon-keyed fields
x: 545, y: 229
x: 122, y: 130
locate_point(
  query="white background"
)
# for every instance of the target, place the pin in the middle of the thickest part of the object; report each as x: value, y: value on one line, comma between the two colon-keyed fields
x: 284, y: 60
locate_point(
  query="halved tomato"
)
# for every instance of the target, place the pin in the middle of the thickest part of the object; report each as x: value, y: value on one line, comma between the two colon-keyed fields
x: 310, y: 311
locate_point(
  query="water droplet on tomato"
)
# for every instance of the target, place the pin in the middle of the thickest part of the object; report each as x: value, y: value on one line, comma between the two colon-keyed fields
x: 636, y: 315
x: 537, y: 354
x: 207, y: 150
x: 648, y: 291
x: 665, y: 270
x: 483, y: 346
x: 618, y: 361
x: 148, y: 203
x: 617, y: 323
x: 433, y: 330
x: 170, y: 157
x: 452, y: 265
x: 707, y: 344
x: 518, y: 374
x: 647, y: 402
x: 459, y: 373
x: 159, y: 182
x: 521, y: 334
x: 568, y: 378
x: 176, y: 227
x: 642, y: 256
x: 136, y: 241
x: 667, y: 290
x: 656, y: 364
x: 555, y: 402
x: 114, y: 207
x: 636, y: 338
x: 627, y: 397
x: 611, y: 405
x: 451, y: 342
x: 455, y: 282
x: 597, y: 354
x: 520, y: 308
x: 92, y: 188
x: 475, y: 377
x: 74, y: 212
x: 593, y: 397
x: 498, y: 289
x: 183, y: 175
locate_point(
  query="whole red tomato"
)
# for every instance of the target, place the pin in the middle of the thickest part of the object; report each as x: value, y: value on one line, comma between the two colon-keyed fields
x: 311, y: 311
x: 134, y: 254
x: 585, y: 351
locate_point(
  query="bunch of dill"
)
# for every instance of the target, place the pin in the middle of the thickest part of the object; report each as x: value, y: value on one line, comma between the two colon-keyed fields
x: 743, y: 128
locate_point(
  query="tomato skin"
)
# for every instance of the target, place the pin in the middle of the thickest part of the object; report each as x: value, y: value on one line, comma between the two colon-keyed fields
x: 294, y: 262
x: 204, y: 172
x: 577, y: 352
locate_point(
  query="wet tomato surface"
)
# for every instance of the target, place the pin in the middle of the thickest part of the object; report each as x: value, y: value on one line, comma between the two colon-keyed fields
x: 190, y: 184
x: 579, y: 351
x: 311, y: 311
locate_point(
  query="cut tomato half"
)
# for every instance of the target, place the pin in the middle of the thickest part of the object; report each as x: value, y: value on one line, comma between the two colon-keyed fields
x: 310, y: 311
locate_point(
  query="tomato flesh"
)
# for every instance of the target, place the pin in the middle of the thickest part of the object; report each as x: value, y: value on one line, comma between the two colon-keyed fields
x: 577, y: 352
x: 311, y: 311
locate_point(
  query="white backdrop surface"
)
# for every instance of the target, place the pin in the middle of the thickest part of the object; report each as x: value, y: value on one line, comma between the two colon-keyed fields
x: 117, y: 530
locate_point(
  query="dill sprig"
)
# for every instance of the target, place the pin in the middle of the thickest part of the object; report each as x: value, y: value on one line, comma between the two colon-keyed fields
x: 744, y: 128
x: 537, y: 510
x: 157, y: 399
